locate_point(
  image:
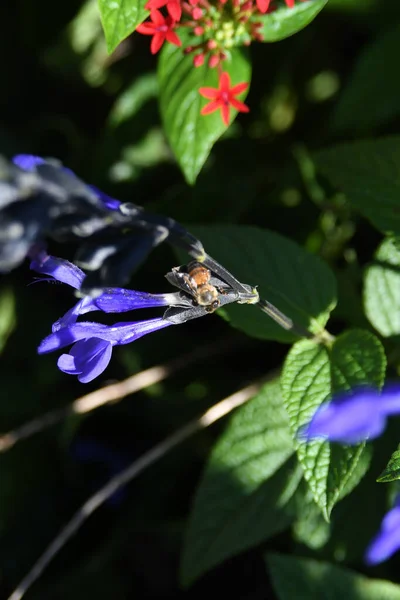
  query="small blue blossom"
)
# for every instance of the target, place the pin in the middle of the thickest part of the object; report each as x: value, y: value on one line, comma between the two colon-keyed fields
x: 110, y: 300
x: 355, y: 416
x: 93, y: 344
x: 387, y: 540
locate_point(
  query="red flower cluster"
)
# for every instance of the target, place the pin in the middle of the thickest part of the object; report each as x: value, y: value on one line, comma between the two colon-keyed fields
x: 216, y: 27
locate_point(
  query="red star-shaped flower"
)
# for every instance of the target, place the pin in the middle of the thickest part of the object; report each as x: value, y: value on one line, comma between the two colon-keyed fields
x: 263, y: 5
x: 173, y: 7
x: 161, y: 28
x: 223, y: 97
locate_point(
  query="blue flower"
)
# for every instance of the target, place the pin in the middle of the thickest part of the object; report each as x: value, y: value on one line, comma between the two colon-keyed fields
x: 353, y: 417
x: 387, y: 540
x: 110, y: 300
x: 93, y: 344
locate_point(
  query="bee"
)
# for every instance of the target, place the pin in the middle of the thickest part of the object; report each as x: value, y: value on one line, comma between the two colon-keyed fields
x: 196, y: 281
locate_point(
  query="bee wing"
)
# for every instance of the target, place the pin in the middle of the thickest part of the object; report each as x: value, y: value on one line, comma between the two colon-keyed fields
x: 180, y: 280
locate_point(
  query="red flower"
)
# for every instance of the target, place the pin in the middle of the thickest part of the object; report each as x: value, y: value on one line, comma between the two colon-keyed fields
x: 290, y: 3
x: 263, y: 5
x: 223, y: 97
x: 173, y: 7
x: 161, y: 28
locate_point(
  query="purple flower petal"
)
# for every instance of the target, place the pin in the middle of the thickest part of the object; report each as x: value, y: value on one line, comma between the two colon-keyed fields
x: 387, y: 541
x: 120, y: 333
x: 121, y: 300
x: 348, y: 419
x: 87, y: 359
x: 82, y: 307
x: 390, y: 400
x: 27, y: 162
x: 58, y: 268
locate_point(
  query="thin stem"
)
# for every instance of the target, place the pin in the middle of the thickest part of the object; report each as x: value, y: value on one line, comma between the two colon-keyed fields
x: 212, y: 415
x: 282, y: 319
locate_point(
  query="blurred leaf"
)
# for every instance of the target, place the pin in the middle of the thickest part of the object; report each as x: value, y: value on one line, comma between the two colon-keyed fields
x: 190, y: 134
x: 310, y: 527
x: 310, y: 376
x: 120, y: 18
x: 131, y: 100
x: 8, y: 317
x: 298, y: 283
x: 306, y: 579
x: 243, y: 495
x: 382, y: 288
x: 368, y: 173
x: 392, y: 469
x: 285, y: 21
x: 371, y: 97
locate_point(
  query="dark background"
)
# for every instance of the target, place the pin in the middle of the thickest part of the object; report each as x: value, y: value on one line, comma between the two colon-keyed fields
x: 58, y: 99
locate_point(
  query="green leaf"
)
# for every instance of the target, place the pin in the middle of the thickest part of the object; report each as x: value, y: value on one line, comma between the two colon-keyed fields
x: 382, y: 289
x: 299, y: 284
x: 190, y: 134
x: 7, y: 315
x: 131, y: 100
x: 305, y: 579
x: 376, y: 97
x: 120, y: 18
x: 392, y: 469
x: 368, y: 172
x: 244, y: 495
x: 284, y: 22
x: 310, y: 527
x: 310, y: 376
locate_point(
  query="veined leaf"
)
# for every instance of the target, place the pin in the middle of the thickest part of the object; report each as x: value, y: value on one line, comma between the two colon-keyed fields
x: 190, y: 134
x: 120, y: 18
x: 311, y: 375
x: 382, y: 288
x: 392, y: 469
x: 245, y: 492
x: 301, y: 285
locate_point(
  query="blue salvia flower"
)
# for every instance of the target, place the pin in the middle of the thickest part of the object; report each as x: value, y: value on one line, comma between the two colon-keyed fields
x: 353, y: 417
x: 92, y: 343
x: 387, y: 540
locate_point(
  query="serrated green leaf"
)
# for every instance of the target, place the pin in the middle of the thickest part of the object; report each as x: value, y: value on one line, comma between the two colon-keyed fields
x: 245, y: 492
x: 392, y: 469
x: 368, y: 172
x: 305, y: 579
x: 190, y: 134
x: 299, y: 284
x: 311, y: 375
x: 285, y: 21
x: 376, y: 96
x: 120, y: 18
x: 382, y: 289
